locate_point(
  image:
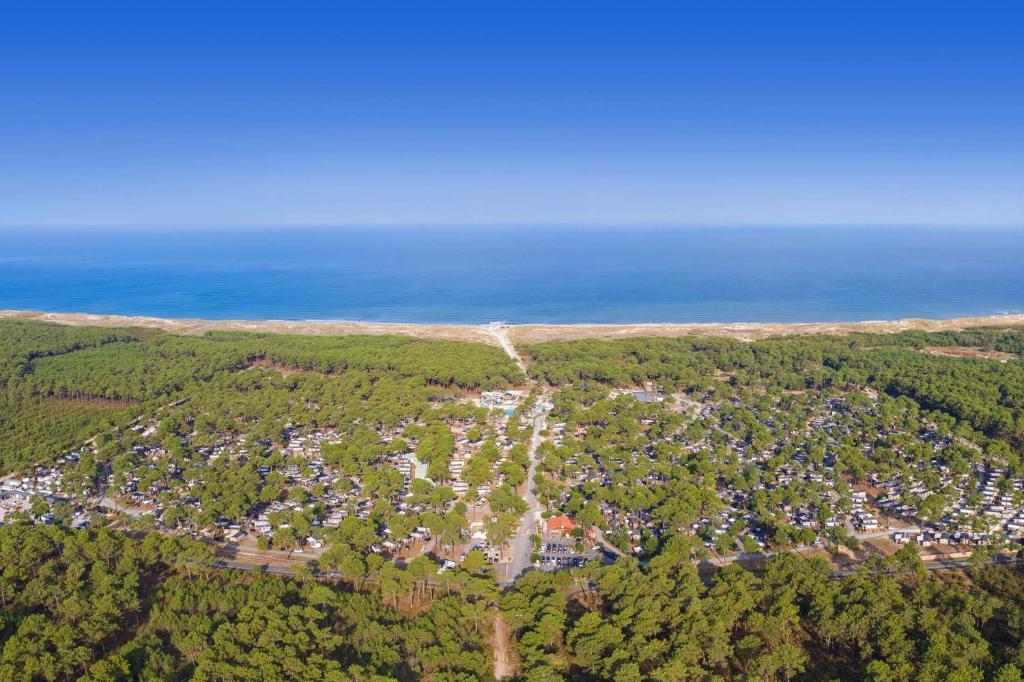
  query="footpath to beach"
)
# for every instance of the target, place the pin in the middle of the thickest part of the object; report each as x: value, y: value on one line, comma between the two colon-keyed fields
x: 519, y: 334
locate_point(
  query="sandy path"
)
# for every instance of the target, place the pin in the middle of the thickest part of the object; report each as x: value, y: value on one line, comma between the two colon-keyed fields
x: 501, y: 335
x: 503, y: 667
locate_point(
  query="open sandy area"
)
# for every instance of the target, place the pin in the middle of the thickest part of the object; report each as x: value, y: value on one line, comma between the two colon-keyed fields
x: 322, y: 328
x: 535, y: 333
x: 518, y: 334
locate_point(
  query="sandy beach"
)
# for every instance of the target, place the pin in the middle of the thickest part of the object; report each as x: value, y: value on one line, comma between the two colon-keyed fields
x: 519, y: 334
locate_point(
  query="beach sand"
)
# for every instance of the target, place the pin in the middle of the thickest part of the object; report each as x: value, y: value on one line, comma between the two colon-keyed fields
x: 744, y: 331
x: 518, y: 334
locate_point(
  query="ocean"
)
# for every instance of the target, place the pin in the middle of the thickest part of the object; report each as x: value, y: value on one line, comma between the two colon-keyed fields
x: 518, y: 275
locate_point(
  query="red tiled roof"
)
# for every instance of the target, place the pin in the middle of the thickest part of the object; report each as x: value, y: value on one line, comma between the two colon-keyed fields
x: 560, y: 523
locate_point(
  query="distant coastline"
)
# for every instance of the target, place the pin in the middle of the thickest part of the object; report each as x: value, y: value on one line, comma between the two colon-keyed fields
x: 517, y: 333
x: 627, y: 275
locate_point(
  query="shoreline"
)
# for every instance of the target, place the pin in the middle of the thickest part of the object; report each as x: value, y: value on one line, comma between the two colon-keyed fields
x: 518, y: 333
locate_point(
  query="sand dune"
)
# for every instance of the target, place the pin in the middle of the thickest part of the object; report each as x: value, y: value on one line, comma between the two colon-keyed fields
x: 527, y: 333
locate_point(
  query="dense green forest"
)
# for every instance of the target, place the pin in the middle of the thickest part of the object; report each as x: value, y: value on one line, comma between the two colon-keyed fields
x: 101, y: 606
x: 60, y: 386
x: 891, y: 620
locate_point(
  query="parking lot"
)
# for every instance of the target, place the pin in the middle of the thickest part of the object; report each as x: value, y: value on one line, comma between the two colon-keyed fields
x: 491, y: 553
x: 558, y: 552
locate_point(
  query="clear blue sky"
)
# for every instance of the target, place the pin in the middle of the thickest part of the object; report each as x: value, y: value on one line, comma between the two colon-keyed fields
x: 237, y: 113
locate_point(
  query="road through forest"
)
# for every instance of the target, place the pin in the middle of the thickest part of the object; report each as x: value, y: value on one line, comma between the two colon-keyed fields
x: 522, y: 543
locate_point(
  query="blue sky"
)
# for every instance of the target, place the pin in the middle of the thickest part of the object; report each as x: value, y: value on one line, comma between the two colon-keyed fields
x: 161, y: 113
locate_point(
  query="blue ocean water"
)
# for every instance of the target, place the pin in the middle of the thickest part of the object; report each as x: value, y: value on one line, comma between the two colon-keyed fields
x: 520, y: 275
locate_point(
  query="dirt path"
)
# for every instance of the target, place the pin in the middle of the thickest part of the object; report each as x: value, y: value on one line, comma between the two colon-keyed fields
x: 501, y: 335
x: 503, y: 667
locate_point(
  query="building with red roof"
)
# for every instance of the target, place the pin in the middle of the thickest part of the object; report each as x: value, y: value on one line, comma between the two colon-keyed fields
x: 560, y: 524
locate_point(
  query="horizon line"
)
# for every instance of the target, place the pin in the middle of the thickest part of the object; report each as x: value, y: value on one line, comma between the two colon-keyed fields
x: 507, y: 225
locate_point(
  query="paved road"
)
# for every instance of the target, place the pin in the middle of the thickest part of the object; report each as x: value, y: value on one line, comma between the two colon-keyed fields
x: 266, y: 568
x: 522, y: 544
x: 601, y: 540
x: 934, y: 565
x: 945, y: 564
x: 757, y: 556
